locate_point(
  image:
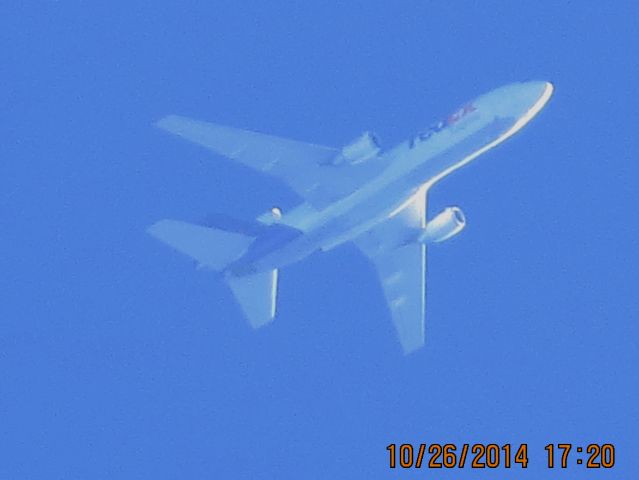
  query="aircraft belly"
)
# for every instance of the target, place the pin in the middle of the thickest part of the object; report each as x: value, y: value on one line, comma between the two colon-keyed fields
x: 374, y: 203
x: 376, y: 209
x: 379, y: 205
x: 332, y: 233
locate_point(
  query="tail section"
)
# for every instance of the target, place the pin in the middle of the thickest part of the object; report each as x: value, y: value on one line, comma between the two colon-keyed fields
x: 218, y: 247
x: 257, y: 295
x: 210, y: 247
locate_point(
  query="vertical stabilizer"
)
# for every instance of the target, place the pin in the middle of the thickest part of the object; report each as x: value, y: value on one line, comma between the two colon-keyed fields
x: 257, y: 295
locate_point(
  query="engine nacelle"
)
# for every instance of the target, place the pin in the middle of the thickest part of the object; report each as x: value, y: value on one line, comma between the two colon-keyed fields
x: 362, y: 149
x: 445, y: 225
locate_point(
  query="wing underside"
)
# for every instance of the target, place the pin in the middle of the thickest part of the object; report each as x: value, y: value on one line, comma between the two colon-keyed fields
x: 304, y: 167
x: 401, y: 268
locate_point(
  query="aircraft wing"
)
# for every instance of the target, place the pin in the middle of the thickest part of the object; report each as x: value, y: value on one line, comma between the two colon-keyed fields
x: 401, y: 269
x: 302, y: 166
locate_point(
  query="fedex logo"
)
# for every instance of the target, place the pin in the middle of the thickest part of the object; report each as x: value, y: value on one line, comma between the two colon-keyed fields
x: 461, y: 113
x: 439, y: 126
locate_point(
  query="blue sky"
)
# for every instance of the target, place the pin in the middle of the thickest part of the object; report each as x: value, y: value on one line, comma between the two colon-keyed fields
x: 119, y: 360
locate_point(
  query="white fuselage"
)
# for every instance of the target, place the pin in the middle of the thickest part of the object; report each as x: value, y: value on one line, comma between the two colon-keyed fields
x: 405, y: 169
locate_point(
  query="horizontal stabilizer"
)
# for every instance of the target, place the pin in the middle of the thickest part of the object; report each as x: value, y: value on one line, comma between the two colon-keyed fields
x: 257, y: 295
x: 227, y: 223
x: 210, y: 247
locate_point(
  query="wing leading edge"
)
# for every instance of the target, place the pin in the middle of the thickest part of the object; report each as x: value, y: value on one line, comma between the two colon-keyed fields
x: 402, y: 269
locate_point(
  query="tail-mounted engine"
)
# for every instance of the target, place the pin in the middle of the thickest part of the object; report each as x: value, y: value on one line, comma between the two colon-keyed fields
x: 362, y: 149
x: 445, y: 225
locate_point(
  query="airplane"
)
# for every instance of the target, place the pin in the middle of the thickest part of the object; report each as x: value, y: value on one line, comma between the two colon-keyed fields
x: 358, y: 193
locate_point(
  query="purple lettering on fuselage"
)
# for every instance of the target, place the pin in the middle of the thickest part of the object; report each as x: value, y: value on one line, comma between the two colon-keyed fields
x: 439, y: 126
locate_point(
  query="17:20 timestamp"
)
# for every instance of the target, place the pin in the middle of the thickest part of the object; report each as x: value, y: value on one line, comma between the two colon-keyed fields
x: 599, y: 456
x: 492, y: 455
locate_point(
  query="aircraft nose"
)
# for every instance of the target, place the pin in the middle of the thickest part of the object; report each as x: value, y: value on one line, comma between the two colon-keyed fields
x: 519, y: 99
x: 536, y: 91
x: 537, y: 94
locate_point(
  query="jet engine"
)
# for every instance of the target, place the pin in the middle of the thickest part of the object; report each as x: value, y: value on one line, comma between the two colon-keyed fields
x: 362, y: 149
x: 445, y: 225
